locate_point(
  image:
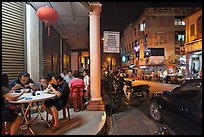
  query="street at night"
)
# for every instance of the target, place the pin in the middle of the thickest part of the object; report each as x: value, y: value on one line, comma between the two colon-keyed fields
x: 135, y: 118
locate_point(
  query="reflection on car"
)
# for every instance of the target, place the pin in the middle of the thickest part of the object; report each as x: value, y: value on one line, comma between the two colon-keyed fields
x: 181, y: 108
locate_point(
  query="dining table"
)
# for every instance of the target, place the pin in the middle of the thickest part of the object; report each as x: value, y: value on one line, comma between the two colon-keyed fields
x: 32, y: 100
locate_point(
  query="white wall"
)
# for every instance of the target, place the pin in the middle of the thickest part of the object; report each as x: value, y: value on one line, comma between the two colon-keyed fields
x: 32, y: 33
x: 74, y: 61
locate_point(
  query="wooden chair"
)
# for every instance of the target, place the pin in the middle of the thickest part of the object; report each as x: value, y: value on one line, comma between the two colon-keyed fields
x: 76, y: 96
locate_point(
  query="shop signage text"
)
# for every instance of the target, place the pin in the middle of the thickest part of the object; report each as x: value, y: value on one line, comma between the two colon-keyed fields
x: 111, y: 42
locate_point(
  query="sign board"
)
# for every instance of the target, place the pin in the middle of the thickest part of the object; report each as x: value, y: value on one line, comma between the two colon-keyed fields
x: 111, y: 42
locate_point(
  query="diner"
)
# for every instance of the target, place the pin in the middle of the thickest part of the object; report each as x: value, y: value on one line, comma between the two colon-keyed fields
x: 9, y: 115
x: 54, y: 105
x: 23, y: 81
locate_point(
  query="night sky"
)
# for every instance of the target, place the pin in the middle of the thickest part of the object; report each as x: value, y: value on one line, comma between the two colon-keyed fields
x: 116, y: 16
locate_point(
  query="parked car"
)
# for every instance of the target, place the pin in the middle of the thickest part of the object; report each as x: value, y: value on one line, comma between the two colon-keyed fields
x: 180, y: 108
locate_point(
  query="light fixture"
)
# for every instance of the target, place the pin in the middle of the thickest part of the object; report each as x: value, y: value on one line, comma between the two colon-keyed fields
x: 48, y: 15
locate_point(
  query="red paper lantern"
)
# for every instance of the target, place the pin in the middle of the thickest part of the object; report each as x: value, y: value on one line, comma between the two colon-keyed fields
x: 48, y: 15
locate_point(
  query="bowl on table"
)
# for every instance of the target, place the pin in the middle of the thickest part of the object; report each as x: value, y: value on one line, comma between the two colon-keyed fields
x: 26, y: 90
x: 46, y: 91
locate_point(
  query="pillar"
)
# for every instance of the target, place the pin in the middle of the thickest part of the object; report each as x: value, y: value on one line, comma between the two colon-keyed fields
x: 95, y: 102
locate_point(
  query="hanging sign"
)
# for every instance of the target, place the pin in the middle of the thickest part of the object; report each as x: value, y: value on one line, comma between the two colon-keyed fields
x: 111, y: 42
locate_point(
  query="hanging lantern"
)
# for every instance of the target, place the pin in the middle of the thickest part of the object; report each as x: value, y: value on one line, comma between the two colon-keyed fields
x: 48, y: 15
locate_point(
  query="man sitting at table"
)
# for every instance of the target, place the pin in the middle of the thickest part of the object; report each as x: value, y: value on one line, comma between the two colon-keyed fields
x: 8, y: 115
x: 54, y: 105
x: 23, y: 81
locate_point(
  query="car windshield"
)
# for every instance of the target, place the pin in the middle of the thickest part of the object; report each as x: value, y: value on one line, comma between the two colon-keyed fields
x: 188, y: 90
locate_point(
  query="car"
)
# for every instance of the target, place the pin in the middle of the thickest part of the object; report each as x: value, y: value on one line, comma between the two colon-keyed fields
x: 180, y: 108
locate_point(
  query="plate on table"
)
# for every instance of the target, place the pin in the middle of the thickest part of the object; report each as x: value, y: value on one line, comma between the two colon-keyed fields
x: 17, y: 91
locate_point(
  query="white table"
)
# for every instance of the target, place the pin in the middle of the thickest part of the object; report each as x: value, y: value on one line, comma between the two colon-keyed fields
x: 27, y: 98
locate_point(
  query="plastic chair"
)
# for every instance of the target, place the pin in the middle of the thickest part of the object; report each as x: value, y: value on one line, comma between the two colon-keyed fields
x: 64, y: 110
x: 77, y: 96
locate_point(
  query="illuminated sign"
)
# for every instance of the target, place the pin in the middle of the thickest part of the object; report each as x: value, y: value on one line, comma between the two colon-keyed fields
x: 147, y: 53
x: 123, y: 59
x: 136, y: 49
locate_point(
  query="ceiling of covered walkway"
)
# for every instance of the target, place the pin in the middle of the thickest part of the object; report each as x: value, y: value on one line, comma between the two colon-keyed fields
x: 73, y: 21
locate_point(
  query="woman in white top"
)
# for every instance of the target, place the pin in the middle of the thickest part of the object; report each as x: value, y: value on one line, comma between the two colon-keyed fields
x: 87, y: 84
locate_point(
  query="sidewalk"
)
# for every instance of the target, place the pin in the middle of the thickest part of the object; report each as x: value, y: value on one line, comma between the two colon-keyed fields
x: 81, y: 123
x: 131, y: 122
x: 132, y: 118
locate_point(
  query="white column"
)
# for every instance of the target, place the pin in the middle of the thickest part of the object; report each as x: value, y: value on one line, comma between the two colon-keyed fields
x: 32, y: 31
x: 95, y: 85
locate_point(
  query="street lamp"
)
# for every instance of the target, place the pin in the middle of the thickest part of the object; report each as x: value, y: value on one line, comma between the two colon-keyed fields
x: 109, y: 63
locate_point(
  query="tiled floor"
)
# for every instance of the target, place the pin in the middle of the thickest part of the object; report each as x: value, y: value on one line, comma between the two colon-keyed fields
x: 81, y: 123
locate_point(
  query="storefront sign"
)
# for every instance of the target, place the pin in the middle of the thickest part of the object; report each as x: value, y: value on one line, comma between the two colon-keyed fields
x: 111, y: 42
x: 123, y: 59
x: 194, y: 46
x: 147, y: 53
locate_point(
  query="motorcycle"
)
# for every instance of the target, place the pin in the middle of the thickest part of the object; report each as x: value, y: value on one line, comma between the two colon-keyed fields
x: 139, y: 92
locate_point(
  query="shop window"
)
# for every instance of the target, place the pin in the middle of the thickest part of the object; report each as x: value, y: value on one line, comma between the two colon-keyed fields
x: 180, y: 36
x: 142, y: 26
x: 136, y: 43
x: 178, y: 21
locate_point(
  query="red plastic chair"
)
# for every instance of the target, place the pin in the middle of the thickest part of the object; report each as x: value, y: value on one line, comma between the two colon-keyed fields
x: 76, y: 96
x: 64, y: 110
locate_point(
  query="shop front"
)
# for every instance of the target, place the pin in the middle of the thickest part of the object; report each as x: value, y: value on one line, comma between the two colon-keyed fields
x: 194, y: 58
x: 195, y: 63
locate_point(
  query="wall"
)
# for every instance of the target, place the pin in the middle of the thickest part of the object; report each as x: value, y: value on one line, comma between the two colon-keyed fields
x: 32, y: 31
x: 190, y: 20
x: 74, y: 61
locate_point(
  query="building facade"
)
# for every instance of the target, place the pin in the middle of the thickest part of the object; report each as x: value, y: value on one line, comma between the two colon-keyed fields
x: 154, y: 38
x: 193, y: 43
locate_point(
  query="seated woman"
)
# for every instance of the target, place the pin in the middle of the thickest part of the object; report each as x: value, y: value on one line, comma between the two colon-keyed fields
x: 9, y: 115
x: 54, y: 105
x: 77, y: 81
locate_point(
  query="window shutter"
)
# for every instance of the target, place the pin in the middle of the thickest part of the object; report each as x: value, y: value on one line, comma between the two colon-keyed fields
x: 13, y: 38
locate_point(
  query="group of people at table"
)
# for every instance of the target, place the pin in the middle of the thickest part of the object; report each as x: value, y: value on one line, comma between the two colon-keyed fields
x: 55, y: 83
